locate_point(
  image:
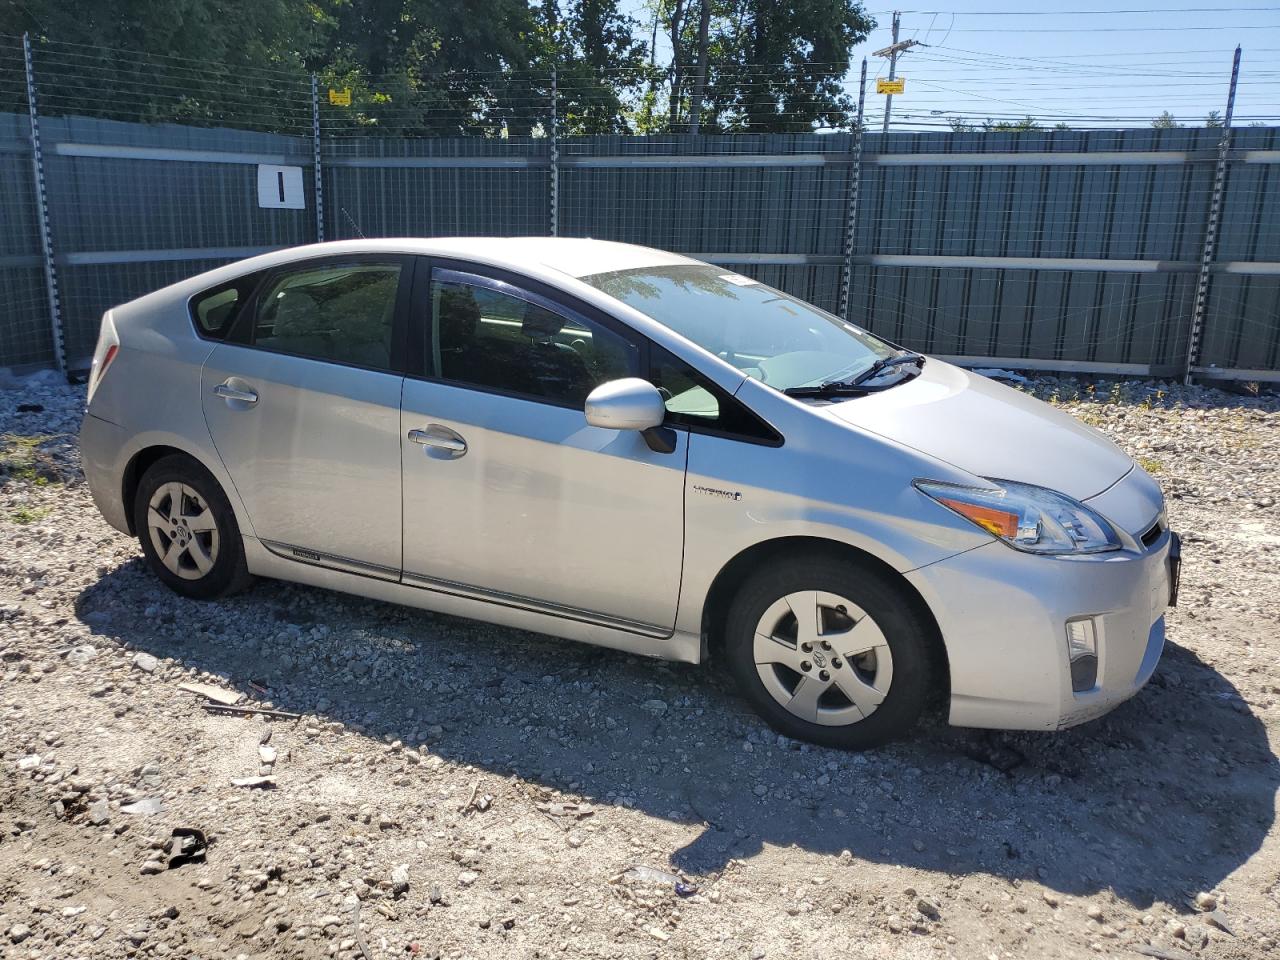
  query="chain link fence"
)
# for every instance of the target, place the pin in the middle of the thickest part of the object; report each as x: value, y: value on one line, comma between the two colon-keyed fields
x: 1065, y: 249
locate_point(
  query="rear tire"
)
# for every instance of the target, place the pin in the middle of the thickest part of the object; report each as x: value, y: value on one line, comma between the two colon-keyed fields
x: 188, y: 530
x: 830, y: 651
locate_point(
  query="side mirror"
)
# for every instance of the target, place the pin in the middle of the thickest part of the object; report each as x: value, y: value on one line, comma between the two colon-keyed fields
x: 628, y: 404
x: 631, y: 404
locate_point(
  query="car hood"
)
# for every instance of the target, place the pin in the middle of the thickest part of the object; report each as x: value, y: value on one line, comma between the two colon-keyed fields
x: 990, y: 430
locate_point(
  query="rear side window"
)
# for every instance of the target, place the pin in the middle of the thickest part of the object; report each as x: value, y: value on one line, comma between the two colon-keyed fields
x: 344, y: 312
x: 215, y: 311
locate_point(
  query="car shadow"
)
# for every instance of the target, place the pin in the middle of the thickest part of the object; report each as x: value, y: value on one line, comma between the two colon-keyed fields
x: 1168, y: 794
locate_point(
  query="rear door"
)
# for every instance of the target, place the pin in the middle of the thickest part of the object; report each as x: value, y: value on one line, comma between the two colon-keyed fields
x: 510, y: 497
x: 303, y: 404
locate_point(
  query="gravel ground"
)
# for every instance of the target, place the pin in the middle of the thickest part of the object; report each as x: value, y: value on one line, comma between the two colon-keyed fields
x: 460, y: 790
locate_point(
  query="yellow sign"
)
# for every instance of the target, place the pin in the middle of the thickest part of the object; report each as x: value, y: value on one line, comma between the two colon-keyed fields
x: 340, y: 98
x: 882, y: 85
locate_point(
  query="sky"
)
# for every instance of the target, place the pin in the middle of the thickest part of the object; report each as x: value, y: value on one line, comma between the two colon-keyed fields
x: 1109, y: 63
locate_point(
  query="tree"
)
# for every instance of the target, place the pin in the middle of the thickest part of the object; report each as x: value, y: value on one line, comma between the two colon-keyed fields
x: 1024, y: 125
x: 418, y: 66
x: 700, y: 77
x: 414, y: 67
x: 1214, y: 119
x: 778, y: 67
x: 1165, y: 121
x: 758, y: 65
x: 600, y: 65
x: 139, y: 60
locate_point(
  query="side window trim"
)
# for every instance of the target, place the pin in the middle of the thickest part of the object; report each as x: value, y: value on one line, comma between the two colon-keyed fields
x: 254, y: 282
x: 241, y: 333
x: 653, y: 353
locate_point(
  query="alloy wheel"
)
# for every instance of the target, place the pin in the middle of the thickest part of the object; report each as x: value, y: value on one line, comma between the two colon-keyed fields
x: 182, y: 530
x: 823, y: 658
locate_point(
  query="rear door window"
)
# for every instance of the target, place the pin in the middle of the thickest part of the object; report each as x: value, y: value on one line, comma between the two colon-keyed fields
x: 343, y: 312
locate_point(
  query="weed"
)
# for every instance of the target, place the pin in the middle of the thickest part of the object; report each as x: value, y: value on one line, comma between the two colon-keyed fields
x: 29, y: 514
x: 1150, y: 464
x: 22, y: 459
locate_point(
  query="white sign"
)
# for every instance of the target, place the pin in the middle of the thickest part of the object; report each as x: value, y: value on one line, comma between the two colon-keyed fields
x: 280, y: 188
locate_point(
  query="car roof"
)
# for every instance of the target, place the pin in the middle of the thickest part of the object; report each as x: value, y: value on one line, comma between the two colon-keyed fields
x: 574, y: 256
x: 571, y: 256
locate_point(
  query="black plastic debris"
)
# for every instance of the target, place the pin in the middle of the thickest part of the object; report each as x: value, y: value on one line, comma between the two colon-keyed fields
x: 191, y: 846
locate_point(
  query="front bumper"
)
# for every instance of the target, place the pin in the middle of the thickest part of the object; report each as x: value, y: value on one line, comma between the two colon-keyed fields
x: 1002, y: 615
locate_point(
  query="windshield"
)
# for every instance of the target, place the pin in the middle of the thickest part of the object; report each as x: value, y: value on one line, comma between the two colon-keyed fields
x: 765, y: 333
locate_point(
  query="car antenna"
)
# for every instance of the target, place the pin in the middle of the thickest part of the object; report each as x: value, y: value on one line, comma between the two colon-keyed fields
x: 354, y: 224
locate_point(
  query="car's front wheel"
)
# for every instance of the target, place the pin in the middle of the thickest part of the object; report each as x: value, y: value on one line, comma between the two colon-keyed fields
x: 830, y: 651
x: 188, y: 530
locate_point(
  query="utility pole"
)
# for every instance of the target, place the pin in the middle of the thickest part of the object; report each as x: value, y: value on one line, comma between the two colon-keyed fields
x: 892, y: 52
x: 892, y: 69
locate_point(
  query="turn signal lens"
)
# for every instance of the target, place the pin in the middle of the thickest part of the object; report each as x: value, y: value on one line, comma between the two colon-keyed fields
x: 1000, y: 522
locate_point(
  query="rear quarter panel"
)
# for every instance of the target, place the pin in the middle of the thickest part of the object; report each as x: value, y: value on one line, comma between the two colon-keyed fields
x: 152, y: 389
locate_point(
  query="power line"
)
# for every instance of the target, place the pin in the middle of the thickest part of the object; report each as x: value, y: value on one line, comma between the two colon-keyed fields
x: 1074, y: 13
x: 1251, y: 26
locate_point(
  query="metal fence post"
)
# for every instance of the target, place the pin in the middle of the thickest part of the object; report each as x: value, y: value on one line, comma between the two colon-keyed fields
x: 42, y: 214
x: 317, y: 179
x: 855, y: 188
x: 1211, y: 229
x: 555, y: 159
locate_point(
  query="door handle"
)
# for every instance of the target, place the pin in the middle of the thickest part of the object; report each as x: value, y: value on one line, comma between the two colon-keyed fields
x: 227, y: 392
x: 440, y: 438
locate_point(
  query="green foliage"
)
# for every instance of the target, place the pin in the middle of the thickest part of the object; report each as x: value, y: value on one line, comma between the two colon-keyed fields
x: 777, y: 67
x: 421, y: 67
x: 1165, y: 121
x: 23, y: 460
x: 29, y: 514
x: 1025, y: 125
x: 146, y: 61
x: 1151, y: 465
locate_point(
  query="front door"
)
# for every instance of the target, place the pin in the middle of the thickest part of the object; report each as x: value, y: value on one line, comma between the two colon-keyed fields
x: 509, y: 496
x: 303, y: 405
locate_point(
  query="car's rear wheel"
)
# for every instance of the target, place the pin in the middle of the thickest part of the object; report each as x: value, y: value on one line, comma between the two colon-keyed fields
x: 188, y: 530
x: 830, y: 651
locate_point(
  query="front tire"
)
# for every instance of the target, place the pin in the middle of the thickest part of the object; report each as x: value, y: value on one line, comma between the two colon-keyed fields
x: 830, y: 651
x: 188, y: 530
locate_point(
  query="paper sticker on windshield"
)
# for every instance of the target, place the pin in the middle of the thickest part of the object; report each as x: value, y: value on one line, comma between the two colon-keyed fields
x: 738, y: 280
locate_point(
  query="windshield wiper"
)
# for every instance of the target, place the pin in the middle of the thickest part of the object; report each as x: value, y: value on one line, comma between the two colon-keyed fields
x: 886, y: 363
x: 858, y: 386
x: 832, y: 388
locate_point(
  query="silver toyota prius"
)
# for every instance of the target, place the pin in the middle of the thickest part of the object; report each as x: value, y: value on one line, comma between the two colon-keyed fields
x: 631, y: 448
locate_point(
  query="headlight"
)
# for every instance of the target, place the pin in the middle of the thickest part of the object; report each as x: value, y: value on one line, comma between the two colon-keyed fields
x: 1027, y: 518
